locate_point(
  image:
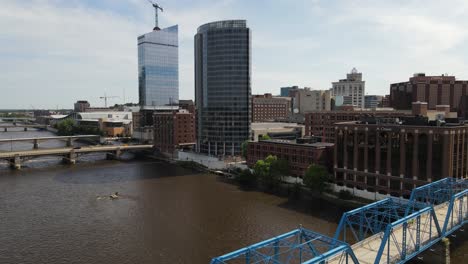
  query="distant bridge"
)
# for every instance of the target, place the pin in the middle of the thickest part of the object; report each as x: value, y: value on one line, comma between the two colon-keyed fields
x: 35, y: 140
x: 25, y: 127
x: 16, y: 119
x: 388, y: 231
x: 69, y: 155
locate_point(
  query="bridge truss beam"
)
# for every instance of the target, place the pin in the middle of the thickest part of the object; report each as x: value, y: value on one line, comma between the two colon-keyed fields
x: 298, y: 246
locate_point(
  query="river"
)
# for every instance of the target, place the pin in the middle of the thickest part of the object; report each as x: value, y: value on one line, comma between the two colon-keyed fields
x: 52, y: 213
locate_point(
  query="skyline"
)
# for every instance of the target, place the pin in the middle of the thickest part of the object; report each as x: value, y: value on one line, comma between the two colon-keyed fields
x: 57, y: 52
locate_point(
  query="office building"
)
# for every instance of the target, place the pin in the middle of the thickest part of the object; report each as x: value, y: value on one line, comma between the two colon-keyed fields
x: 276, y: 130
x: 352, y: 86
x: 174, y: 130
x: 306, y: 100
x: 372, y: 101
x: 284, y: 91
x: 321, y: 124
x: 223, y: 86
x: 392, y: 158
x: 266, y: 107
x: 158, y: 68
x: 81, y: 106
x: 435, y: 90
x: 188, y: 105
x: 299, y: 156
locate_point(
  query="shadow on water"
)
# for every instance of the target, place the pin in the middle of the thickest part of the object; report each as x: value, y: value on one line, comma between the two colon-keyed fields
x: 316, y: 207
x: 305, y: 204
x: 120, y: 172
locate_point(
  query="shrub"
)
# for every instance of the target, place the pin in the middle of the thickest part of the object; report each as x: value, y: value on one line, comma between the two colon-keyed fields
x: 345, y: 195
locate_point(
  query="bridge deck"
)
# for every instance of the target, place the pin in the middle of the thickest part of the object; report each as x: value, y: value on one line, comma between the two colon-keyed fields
x: 366, y: 251
x: 47, y: 138
x: 62, y: 151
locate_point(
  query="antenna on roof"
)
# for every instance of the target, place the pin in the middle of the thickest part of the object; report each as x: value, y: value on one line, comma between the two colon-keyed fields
x: 156, y: 7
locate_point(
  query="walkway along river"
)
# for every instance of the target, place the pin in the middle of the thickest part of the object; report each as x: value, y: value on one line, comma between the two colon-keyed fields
x: 164, y: 214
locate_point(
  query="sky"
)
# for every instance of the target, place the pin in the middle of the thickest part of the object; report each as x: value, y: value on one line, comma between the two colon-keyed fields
x: 55, y: 52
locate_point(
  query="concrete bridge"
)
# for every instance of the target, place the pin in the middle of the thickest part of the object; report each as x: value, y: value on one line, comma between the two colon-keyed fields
x: 36, y: 140
x: 388, y: 231
x: 24, y: 127
x: 16, y: 119
x: 15, y: 158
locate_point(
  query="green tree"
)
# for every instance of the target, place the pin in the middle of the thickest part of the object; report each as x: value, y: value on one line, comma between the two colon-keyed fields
x: 280, y: 167
x: 66, y: 127
x: 261, y: 168
x: 246, y: 178
x: 316, y: 178
x: 268, y: 173
x: 264, y: 137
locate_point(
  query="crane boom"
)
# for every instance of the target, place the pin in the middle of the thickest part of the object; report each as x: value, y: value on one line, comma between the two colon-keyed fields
x: 105, y: 97
x: 156, y: 7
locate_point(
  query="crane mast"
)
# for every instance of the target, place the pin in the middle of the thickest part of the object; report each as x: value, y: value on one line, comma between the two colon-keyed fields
x: 156, y: 7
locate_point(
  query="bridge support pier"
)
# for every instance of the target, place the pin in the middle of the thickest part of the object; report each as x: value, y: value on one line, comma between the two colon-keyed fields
x: 446, y: 243
x: 15, y: 163
x: 35, y: 144
x: 70, y: 158
x: 5, y: 129
x: 25, y: 129
x: 115, y: 155
x: 69, y: 142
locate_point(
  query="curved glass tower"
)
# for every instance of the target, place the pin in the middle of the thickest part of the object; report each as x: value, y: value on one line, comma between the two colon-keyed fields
x: 222, y: 86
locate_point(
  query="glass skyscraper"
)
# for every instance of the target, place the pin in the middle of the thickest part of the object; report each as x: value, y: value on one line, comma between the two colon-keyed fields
x: 158, y: 68
x: 222, y: 86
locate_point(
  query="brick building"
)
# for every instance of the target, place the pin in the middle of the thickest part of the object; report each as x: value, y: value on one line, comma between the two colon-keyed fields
x: 435, y: 90
x: 174, y: 130
x: 188, y: 105
x: 395, y: 158
x: 299, y: 156
x: 266, y: 107
x: 321, y: 124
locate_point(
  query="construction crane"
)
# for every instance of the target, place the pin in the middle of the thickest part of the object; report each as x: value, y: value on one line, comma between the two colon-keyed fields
x: 105, y: 97
x: 156, y: 7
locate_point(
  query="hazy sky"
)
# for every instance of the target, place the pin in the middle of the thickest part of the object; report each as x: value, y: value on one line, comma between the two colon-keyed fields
x: 54, y: 52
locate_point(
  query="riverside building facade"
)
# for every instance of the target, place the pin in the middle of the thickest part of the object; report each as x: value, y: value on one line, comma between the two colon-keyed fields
x: 223, y: 86
x: 394, y: 158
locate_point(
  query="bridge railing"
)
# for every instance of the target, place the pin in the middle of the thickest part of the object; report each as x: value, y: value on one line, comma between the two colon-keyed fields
x: 457, y: 212
x: 373, y: 218
x: 298, y: 246
x: 408, y: 236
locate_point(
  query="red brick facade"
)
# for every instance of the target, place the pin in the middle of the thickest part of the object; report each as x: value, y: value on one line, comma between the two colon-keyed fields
x: 299, y: 156
x: 322, y: 123
x: 394, y: 159
x: 174, y: 130
x: 435, y: 90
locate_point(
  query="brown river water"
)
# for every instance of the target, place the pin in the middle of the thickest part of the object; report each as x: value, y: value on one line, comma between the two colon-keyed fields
x: 53, y: 213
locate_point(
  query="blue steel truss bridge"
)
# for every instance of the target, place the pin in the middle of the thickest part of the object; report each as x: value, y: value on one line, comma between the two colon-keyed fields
x: 387, y: 231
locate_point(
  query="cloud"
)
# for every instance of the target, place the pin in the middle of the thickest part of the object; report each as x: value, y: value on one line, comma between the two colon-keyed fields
x: 56, y: 51
x: 54, y: 54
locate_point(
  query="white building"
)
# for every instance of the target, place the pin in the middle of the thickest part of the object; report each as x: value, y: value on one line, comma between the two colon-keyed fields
x: 307, y: 100
x: 352, y: 86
